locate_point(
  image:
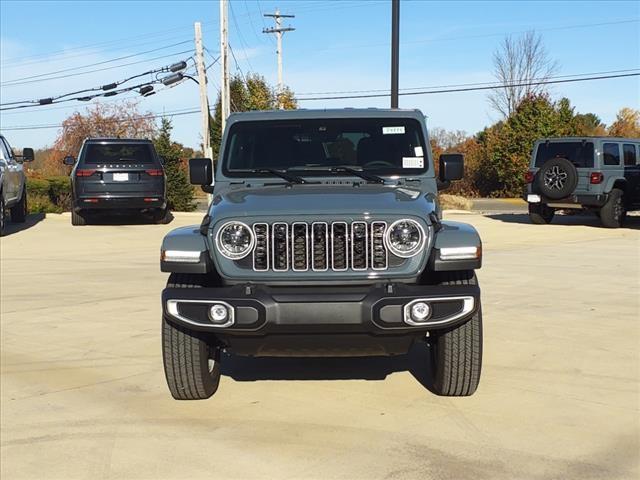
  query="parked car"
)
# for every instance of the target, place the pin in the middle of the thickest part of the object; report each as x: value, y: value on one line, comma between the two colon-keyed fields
x: 324, y: 238
x: 13, y: 183
x: 116, y: 175
x: 596, y: 173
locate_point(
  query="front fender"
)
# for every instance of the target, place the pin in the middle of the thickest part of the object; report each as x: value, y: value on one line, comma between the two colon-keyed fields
x: 184, y: 250
x: 457, y: 246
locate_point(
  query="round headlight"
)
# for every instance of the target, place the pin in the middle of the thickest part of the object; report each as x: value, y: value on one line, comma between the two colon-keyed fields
x: 405, y: 238
x: 235, y: 240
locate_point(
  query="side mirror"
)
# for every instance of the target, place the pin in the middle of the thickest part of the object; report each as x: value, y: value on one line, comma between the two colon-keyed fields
x: 69, y: 160
x: 451, y: 167
x: 28, y: 155
x: 162, y: 160
x: 201, y: 173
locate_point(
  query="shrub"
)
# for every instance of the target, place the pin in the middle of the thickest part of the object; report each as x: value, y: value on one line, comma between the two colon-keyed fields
x: 49, y: 195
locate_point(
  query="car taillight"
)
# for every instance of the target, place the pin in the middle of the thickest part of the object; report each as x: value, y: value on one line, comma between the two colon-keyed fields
x: 155, y: 172
x: 528, y: 177
x: 84, y: 173
x: 596, y: 178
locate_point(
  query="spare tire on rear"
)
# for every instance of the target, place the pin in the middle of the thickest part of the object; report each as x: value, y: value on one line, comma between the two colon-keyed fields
x: 557, y: 178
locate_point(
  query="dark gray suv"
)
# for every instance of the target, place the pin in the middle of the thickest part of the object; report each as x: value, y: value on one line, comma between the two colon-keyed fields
x: 114, y: 175
x: 324, y: 237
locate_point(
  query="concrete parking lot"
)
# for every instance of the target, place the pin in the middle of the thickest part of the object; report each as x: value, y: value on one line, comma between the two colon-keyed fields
x: 83, y: 392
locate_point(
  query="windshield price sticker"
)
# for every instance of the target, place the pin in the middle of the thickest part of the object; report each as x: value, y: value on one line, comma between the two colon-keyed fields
x: 412, y: 162
x: 392, y: 130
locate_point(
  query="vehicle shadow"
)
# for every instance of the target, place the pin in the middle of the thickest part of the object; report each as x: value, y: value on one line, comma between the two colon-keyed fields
x: 251, y: 369
x: 589, y: 220
x: 11, y: 228
x: 126, y: 219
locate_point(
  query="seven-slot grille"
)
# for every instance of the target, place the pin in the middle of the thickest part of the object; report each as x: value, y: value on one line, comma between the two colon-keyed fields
x: 320, y: 246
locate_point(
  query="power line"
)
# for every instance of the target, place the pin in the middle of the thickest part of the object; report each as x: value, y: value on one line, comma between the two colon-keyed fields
x: 16, y: 80
x: 465, y: 84
x: 240, y: 36
x: 64, y: 52
x: 175, y: 113
x: 100, y: 69
x: 470, y: 89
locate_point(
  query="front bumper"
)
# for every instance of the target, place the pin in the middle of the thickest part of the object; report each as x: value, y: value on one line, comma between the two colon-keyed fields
x: 343, y: 320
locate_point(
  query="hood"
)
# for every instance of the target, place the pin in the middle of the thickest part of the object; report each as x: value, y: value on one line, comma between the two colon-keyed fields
x: 322, y: 200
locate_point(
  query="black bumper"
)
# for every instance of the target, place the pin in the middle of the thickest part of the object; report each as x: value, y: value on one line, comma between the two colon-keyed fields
x: 366, y: 320
x: 109, y: 202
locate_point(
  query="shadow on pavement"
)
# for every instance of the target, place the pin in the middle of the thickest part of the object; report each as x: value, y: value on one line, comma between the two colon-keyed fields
x: 250, y: 369
x: 126, y: 219
x: 589, y: 220
x: 10, y: 227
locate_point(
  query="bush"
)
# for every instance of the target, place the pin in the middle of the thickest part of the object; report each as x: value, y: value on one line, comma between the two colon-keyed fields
x: 49, y: 195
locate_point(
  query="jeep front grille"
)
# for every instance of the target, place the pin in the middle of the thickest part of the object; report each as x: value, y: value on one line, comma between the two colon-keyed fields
x: 320, y: 246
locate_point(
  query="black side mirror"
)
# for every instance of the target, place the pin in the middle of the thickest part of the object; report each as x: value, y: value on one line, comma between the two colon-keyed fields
x: 162, y: 160
x: 451, y: 167
x: 201, y: 173
x: 69, y: 160
x: 28, y: 155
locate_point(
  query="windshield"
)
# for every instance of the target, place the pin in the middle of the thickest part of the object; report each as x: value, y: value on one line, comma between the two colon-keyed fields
x: 579, y: 153
x: 385, y: 146
x: 133, y: 153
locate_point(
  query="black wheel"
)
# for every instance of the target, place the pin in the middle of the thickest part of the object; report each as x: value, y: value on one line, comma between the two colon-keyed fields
x: 1, y: 215
x: 161, y: 216
x: 457, y: 353
x: 191, y: 365
x: 613, y: 213
x: 19, y: 210
x: 557, y: 178
x: 540, y: 214
x: 77, y: 218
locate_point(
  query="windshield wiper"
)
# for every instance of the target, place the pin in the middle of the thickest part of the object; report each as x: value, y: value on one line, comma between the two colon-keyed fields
x: 358, y: 172
x: 278, y: 173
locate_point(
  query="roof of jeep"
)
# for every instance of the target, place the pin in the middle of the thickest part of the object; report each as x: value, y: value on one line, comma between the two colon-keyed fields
x: 306, y: 114
x: 579, y: 139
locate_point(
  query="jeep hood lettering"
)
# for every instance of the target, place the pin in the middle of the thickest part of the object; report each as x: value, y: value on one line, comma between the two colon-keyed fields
x: 322, y: 200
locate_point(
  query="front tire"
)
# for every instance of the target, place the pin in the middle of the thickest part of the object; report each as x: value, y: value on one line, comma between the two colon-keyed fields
x: 191, y: 365
x: 540, y: 214
x: 19, y: 211
x: 613, y: 213
x: 2, y: 217
x: 457, y: 352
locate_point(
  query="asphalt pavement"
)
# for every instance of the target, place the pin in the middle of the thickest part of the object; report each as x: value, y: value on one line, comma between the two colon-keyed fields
x: 83, y: 393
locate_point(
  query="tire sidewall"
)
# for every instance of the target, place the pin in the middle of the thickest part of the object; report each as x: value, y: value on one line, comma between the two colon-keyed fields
x: 548, y: 173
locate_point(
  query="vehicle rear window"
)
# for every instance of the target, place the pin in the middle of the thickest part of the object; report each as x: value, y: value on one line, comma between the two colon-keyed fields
x: 382, y: 145
x: 611, y: 154
x: 109, y: 153
x: 578, y: 153
x: 629, y: 152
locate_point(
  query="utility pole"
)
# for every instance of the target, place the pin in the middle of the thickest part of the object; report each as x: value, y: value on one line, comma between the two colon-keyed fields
x: 225, y: 103
x: 279, y: 31
x: 204, y: 99
x: 395, y: 51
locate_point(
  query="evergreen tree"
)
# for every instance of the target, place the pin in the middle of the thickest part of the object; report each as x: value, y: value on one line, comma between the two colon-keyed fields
x: 179, y: 191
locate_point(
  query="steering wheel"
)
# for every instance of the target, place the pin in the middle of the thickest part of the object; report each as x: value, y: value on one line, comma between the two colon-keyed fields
x: 379, y: 163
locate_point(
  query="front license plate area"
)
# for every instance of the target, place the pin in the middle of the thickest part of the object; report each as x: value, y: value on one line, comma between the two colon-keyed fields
x: 533, y: 198
x: 120, y: 177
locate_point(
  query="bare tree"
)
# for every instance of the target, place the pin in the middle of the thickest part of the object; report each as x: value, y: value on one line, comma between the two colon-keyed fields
x: 518, y: 64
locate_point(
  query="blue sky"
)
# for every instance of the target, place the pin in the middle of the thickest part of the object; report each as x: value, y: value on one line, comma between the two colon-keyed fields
x: 337, y: 46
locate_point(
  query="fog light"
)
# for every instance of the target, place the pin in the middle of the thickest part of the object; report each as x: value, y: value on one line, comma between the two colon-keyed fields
x: 218, y: 313
x: 420, y: 312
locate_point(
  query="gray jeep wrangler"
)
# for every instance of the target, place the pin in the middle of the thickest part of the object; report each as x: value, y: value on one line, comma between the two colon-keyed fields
x: 324, y: 238
x: 599, y: 173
